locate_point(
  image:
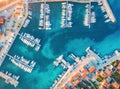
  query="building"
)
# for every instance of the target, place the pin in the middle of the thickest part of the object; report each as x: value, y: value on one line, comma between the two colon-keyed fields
x: 116, y: 85
x: 2, y: 22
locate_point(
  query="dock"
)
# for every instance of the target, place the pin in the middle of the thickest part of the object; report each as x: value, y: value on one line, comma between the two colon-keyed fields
x: 44, y: 22
x: 66, y: 21
x: 22, y: 63
x: 61, y: 60
x: 76, y: 59
x: 8, y: 79
x: 87, y: 18
x: 108, y: 10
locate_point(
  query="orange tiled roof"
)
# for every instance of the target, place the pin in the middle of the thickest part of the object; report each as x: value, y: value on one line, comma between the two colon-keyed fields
x: 1, y: 34
x: 106, y: 84
x: 77, y: 75
x: 4, y: 3
x: 20, y: 4
x: 1, y: 20
x: 92, y: 69
x: 65, y: 87
x: 104, y: 74
x: 16, y: 14
x: 108, y: 72
x: 116, y: 85
x: 84, y: 75
x: 118, y: 67
x: 75, y: 83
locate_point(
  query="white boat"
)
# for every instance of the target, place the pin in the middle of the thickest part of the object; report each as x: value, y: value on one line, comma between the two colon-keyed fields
x: 108, y: 20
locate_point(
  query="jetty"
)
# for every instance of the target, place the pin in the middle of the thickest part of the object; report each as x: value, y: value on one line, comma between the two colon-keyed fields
x: 44, y: 22
x: 9, y: 78
x: 23, y: 63
x: 66, y: 14
x: 61, y: 60
x: 76, y: 59
x: 108, y: 10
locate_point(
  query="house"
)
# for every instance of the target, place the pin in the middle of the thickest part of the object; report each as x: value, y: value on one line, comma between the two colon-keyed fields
x: 2, y: 20
x: 92, y: 69
x: 116, y: 85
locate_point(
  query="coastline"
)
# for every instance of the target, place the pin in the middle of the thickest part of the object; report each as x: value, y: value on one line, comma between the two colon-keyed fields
x: 6, y: 49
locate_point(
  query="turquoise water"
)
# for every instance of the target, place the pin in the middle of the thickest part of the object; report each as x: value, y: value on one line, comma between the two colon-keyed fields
x: 104, y: 37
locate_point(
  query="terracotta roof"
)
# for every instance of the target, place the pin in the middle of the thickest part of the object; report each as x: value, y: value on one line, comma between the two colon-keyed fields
x: 106, y: 84
x: 118, y: 67
x: 77, y: 75
x: 75, y: 83
x: 108, y: 72
x: 92, y: 69
x: 65, y: 87
x: 84, y: 75
x: 1, y: 20
x: 116, y: 85
x: 104, y: 74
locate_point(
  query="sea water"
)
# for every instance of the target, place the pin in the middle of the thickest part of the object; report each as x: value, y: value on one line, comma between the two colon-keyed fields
x: 104, y: 37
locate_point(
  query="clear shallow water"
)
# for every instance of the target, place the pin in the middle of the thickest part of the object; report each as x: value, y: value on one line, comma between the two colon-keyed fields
x: 103, y: 37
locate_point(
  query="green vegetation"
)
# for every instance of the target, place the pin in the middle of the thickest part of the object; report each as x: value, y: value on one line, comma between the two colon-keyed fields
x: 115, y: 63
x: 100, y: 79
x: 116, y: 76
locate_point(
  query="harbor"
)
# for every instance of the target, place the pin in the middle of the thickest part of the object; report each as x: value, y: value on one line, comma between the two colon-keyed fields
x: 47, y: 55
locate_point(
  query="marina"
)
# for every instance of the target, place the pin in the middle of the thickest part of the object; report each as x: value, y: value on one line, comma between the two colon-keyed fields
x: 30, y: 41
x: 89, y: 17
x: 48, y: 74
x: 44, y: 22
x: 66, y: 14
x: 23, y: 63
x: 10, y: 78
